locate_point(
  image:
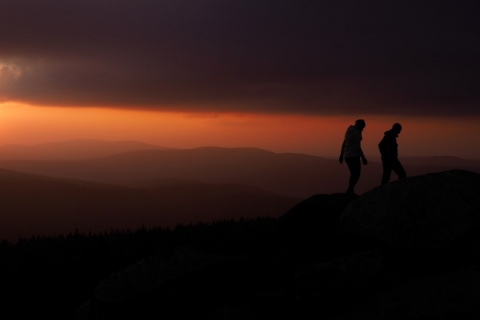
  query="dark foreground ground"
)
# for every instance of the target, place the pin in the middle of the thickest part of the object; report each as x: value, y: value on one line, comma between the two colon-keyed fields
x: 296, y: 266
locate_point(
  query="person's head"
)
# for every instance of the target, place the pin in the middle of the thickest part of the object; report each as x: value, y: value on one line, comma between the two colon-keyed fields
x: 397, y: 128
x: 360, y: 123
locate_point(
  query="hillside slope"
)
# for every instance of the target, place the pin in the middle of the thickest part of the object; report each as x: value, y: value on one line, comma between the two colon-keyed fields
x: 70, y: 150
x: 37, y: 205
x: 296, y: 175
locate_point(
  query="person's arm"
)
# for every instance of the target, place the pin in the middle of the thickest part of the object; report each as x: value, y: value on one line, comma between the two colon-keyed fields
x: 364, y: 160
x: 340, y: 159
x: 362, y: 156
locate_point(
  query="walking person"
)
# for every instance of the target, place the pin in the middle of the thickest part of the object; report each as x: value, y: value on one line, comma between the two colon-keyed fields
x: 389, y: 150
x: 352, y: 153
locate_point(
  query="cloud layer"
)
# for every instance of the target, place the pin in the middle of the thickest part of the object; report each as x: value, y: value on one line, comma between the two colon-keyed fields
x: 301, y: 56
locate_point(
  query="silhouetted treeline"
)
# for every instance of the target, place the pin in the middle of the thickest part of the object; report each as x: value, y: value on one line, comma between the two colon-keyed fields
x: 55, y: 274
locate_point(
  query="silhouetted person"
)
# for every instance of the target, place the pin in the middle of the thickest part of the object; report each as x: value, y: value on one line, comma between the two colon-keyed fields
x: 353, y: 154
x: 389, y: 150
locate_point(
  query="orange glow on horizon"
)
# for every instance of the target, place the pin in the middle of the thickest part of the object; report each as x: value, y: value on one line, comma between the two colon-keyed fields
x: 317, y: 135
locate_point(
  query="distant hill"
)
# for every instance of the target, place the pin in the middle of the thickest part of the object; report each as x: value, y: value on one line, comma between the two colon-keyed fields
x: 70, y: 150
x: 442, y: 161
x: 295, y: 175
x: 290, y: 174
x: 37, y: 205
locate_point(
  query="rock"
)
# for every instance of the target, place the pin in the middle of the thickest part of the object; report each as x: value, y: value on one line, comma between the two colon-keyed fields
x: 341, y: 279
x: 185, y: 283
x: 445, y: 296
x: 190, y: 283
x: 313, y: 270
x: 424, y: 213
x: 314, y: 220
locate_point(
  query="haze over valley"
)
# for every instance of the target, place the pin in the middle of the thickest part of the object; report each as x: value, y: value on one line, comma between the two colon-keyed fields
x: 90, y: 185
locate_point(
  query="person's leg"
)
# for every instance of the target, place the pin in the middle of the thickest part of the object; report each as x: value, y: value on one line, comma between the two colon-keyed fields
x: 387, y: 170
x: 398, y: 169
x: 354, y: 166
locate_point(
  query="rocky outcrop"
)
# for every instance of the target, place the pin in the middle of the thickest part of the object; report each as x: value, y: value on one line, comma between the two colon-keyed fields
x: 309, y: 227
x: 440, y: 295
x: 340, y: 279
x: 419, y: 214
x: 339, y: 257
x: 424, y: 260
x: 189, y: 283
x: 315, y: 217
x: 164, y: 284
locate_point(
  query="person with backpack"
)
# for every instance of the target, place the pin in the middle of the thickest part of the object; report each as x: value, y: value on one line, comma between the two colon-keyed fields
x: 389, y: 151
x: 352, y: 153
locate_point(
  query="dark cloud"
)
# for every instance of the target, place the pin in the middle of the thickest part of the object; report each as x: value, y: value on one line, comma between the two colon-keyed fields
x: 300, y: 56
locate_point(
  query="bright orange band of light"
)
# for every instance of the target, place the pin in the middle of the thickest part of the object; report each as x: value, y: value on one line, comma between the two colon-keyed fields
x: 318, y: 135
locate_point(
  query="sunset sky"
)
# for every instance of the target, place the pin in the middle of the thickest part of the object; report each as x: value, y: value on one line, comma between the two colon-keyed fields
x: 280, y: 75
